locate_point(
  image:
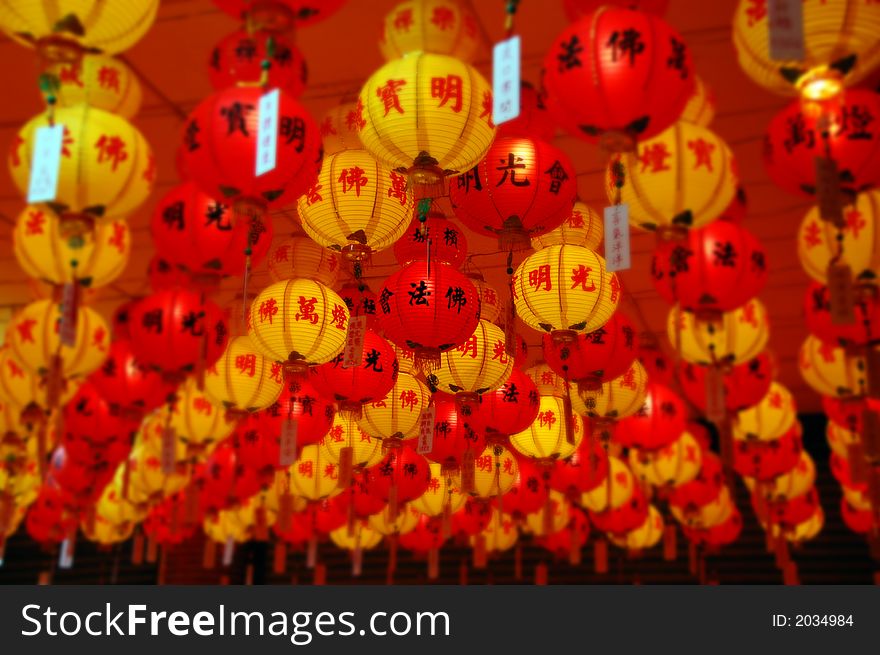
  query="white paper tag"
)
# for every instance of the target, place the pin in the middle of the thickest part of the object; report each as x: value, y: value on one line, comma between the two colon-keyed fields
x: 267, y: 131
x: 228, y: 551
x: 505, y: 80
x: 785, y: 20
x: 617, y: 253
x: 426, y: 430
x: 287, y: 450
x: 45, y: 163
x: 65, y: 555
x: 354, y: 342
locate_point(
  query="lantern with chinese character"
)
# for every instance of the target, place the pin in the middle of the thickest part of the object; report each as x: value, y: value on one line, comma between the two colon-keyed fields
x: 424, y: 94
x: 366, y: 450
x: 356, y: 206
x: 197, y: 422
x: 454, y: 436
x: 645, y: 536
x: 676, y: 463
x: 163, y: 275
x: 628, y: 516
x: 565, y: 290
x: 92, y: 433
x: 313, y: 476
x: 299, y: 403
x: 298, y: 321
x: 619, y: 75
x: 619, y: 487
x: 23, y: 389
x: 97, y: 80
x: 821, y: 323
x: 399, y: 523
x: 237, y: 59
x: 509, y: 409
x: 554, y: 434
x: 700, y: 108
x: 616, y: 399
x: 583, y: 227
x: 442, y: 495
x: 437, y: 239
x: 733, y: 337
x: 534, y: 120
x: 339, y: 128
x: 659, y: 422
x: 426, y: 537
x: 499, y: 535
x: 744, y: 384
x: 769, y: 419
x: 242, y: 379
x: 396, y: 416
x: 523, y: 186
x: 279, y: 15
x: 682, y: 178
x: 443, y: 27
x: 495, y: 471
x: 300, y: 257
x: 361, y: 537
x: 529, y: 491
x: 361, y: 301
x: 831, y: 371
x: 583, y: 471
x: 490, y: 302
x: 764, y: 460
x: 403, y: 475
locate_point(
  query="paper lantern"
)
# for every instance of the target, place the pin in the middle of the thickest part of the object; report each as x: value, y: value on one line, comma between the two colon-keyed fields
x: 302, y: 404
x: 859, y: 521
x: 396, y: 416
x: 92, y: 433
x: 97, y: 80
x: 523, y: 187
x: 356, y: 206
x: 733, y: 337
x: 659, y: 422
x: 554, y: 434
x: 499, y: 535
x: 819, y: 320
x: 361, y: 537
x: 428, y: 535
x: 670, y: 466
x: 495, y: 471
x: 490, y: 302
x: 23, y: 389
x: 744, y: 384
x: 831, y: 371
x: 339, y: 128
x: 128, y: 386
x: 616, y: 399
x: 509, y: 409
x: 700, y: 107
x: 237, y: 58
x: 442, y: 27
x: 565, y: 290
x: 584, y: 227
x: 769, y: 419
x: 576, y: 9
x: 400, y: 523
x: 197, y: 422
x: 346, y: 433
x: 107, y: 168
x: 529, y: 491
x: 280, y: 15
x: 442, y: 496
x: 645, y: 536
x: 300, y: 257
x: 555, y: 516
x: 621, y: 520
x: 585, y: 470
x: 437, y: 239
x: 360, y: 301
x: 403, y: 475
x: 684, y: 177
x: 479, y: 365
x: 147, y: 481
x: 534, y: 120
x: 704, y: 516
x: 453, y: 436
x: 313, y: 476
x: 619, y: 488
x: 792, y: 484
x: 764, y: 460
x: 242, y: 379
x: 617, y: 73
x: 298, y: 321
x: 848, y: 412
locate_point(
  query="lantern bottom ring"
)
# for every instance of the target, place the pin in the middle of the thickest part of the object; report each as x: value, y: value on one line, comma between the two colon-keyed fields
x: 614, y: 142
x: 295, y: 367
x: 356, y: 252
x: 564, y: 336
x: 667, y: 233
x: 426, y: 178
x: 269, y: 16
x: 58, y: 50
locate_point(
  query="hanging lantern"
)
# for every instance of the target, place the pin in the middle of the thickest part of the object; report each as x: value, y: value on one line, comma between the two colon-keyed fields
x: 242, y: 379
x: 495, y: 471
x: 442, y: 27
x: 302, y: 404
x: 744, y: 384
x: 585, y: 470
x: 300, y: 257
x: 584, y: 227
x: 313, y: 476
x: 427, y: 537
x: 534, y: 120
x: 509, y: 409
x: 769, y: 419
x: 501, y: 534
x: 565, y: 290
x: 733, y: 337
x: 163, y: 276
x: 197, y: 422
x: 361, y: 537
x: 366, y: 450
x: 659, y: 422
x: 831, y: 371
x: 437, y: 239
x: 490, y: 302
x: 425, y: 94
x: 764, y: 460
x: 670, y: 466
x: 619, y: 488
x: 820, y: 323
x: 279, y: 15
x: 621, y: 520
x: 554, y: 434
x: 396, y: 416
x: 523, y: 187
x: 97, y: 80
x: 357, y: 206
x: 577, y: 9
x: 616, y: 399
x: 339, y: 129
x: 22, y: 389
x: 403, y: 475
x: 473, y: 518
x: 92, y: 433
x: 529, y: 491
x: 645, y: 536
x: 700, y: 108
x: 454, y: 437
x: 606, y: 70
x: 442, y: 496
x: 683, y: 178
x: 546, y: 381
x: 360, y: 301
x: 553, y: 518
x: 715, y: 512
x: 237, y: 60
x: 401, y: 523
x: 792, y: 484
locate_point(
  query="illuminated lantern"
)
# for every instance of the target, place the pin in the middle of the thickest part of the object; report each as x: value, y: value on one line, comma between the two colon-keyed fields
x: 744, y: 384
x: 683, y: 178
x: 547, y: 382
x: 437, y: 239
x: 48, y: 518
x: 583, y: 471
x: 313, y: 476
x: 400, y: 523
x: 44, y: 251
x: 195, y: 232
x: 523, y: 186
x: 732, y: 338
x: 596, y: 357
x: 794, y: 140
x: 715, y: 269
x: 848, y: 412
x: 553, y: 518
x: 396, y: 416
x: 174, y: 330
x: 362, y: 537
x: 534, y: 120
x: 242, y: 379
x: 442, y: 496
x: 428, y: 307
x: 619, y: 75
x: 628, y: 516
x: 198, y: 423
x: 838, y: 40
x: 106, y: 533
x: 577, y: 9
x: 298, y: 321
x: 357, y: 206
x: 700, y: 108
x: 670, y: 466
x: 619, y: 487
x: 657, y: 363
x: 659, y: 422
x: 220, y: 150
x: 442, y: 27
x: 300, y: 257
x: 163, y: 275
x: 831, y: 371
x: 472, y: 518
x: 453, y: 436
x: 339, y: 129
x: 554, y: 434
x: 529, y: 491
x: 237, y: 59
x: 403, y: 475
x: 427, y: 536
x: 361, y: 301
x: 584, y: 227
x: 859, y: 521
x: 490, y: 302
x: 565, y: 290
x: 509, y: 409
x: 817, y: 312
x: 300, y: 403
x: 616, y: 399
x: 715, y: 512
x: 791, y: 484
x: 280, y: 15
x: 499, y: 535
x: 147, y: 481
x: 97, y: 80
x: 807, y: 529
x: 22, y: 389
x: 92, y: 433
x: 423, y: 94
x: 645, y: 536
x: 722, y: 534
x: 704, y: 488
x: 769, y: 419
x: 257, y: 445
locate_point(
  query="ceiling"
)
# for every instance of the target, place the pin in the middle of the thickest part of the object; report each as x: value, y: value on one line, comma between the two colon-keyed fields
x: 342, y: 51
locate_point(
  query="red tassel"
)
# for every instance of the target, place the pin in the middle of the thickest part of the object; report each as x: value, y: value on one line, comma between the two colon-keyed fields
x: 600, y: 556
x: 312, y: 553
x: 137, y: 549
x: 782, y: 554
x: 285, y: 512
x: 480, y: 552
x: 209, y: 557
x: 392, y: 557
x: 279, y: 564
x: 517, y: 562
x: 261, y: 525
x: 574, y: 546
x: 433, y: 564
x: 790, y: 574
x: 463, y: 572
x: 541, y: 574
x: 357, y: 561
x: 670, y: 547
x: 692, y: 558
x: 249, y: 575
x: 320, y: 576
x: 152, y: 550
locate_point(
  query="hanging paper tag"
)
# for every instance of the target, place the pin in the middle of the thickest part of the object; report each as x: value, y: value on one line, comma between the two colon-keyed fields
x: 228, y: 551
x: 357, y: 560
x: 872, y: 357
x: 287, y: 450
x: 426, y: 430
x: 353, y: 354
x: 65, y: 555
x: 285, y: 511
x: 69, y: 308
x: 267, y: 131
x: 169, y: 450
x: 786, y: 22
x: 617, y: 251
x: 828, y: 192
x: 45, y: 164
x: 841, y: 293
x: 716, y: 407
x: 505, y: 80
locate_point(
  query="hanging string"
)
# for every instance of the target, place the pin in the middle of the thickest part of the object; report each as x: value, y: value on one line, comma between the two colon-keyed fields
x: 510, y: 12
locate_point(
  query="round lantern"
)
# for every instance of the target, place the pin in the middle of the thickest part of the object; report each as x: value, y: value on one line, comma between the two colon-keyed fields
x: 242, y: 379
x: 577, y: 9
x: 300, y: 257
x: 400, y: 523
x: 791, y: 484
x: 313, y: 476
x: 92, y: 433
x: 523, y: 187
x: 362, y: 537
x: 454, y: 436
x: 106, y: 169
x: 427, y: 537
x: 744, y: 384
x: 565, y: 290
x: 864, y: 329
x: 838, y: 40
x: 831, y: 371
x: 302, y: 404
x: 437, y: 239
x: 339, y: 128
x: 22, y: 389
x: 554, y: 434
x: 722, y: 534
x: 583, y: 471
x: 682, y: 178
x: 534, y: 119
x: 196, y: 421
x: 733, y: 337
x: 769, y: 419
x: 714, y: 512
x: 361, y: 301
x: 298, y: 321
x: 529, y: 491
x: 279, y: 15
x: 554, y: 517
x: 619, y: 488
x: 617, y: 399
x: 647, y: 535
x: 794, y: 139
x: 509, y: 409
x: 97, y: 80
x: 396, y: 416
x: 442, y: 496
x: 356, y: 206
x: 93, y: 259
x: 700, y: 108
x: 859, y: 521
x: 403, y: 475
x: 425, y: 94
x: 583, y: 227
x: 659, y: 422
x: 490, y: 302
x: 670, y: 466
x: 628, y: 516
x: 499, y: 535
x: 715, y: 269
x: 442, y: 27
x: 237, y: 59
x: 617, y: 73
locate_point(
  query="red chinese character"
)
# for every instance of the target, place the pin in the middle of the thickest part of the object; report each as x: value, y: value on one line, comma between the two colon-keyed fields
x: 403, y: 20
x: 26, y: 330
x: 826, y: 350
x: 487, y: 108
x: 576, y: 219
x: 581, y: 276
x: 14, y: 155
x: 338, y: 317
x: 111, y: 148
x: 499, y: 352
x: 546, y: 419
x: 469, y: 347
x: 268, y: 309
x: 117, y: 239
x: 813, y: 235
x: 327, y: 127
x: 756, y: 12
x: 398, y: 188
x: 470, y: 25
x: 434, y: 485
x: 71, y: 75
x: 312, y: 195
x: 281, y: 255
x: 703, y: 152
x: 108, y: 78
x: 336, y: 434
x: 307, y: 310
x: 408, y: 399
x: 615, y: 288
x: 202, y: 406
x: 490, y: 297
x: 353, y: 178
x: 541, y: 277
x: 447, y: 88
x: 276, y: 372
x: 388, y: 95
x: 443, y: 18
x: 35, y: 222
x: 776, y: 399
x: 330, y: 472
x: 628, y: 379
x: 748, y: 315
x: 483, y: 463
x: 654, y: 157
x: 246, y: 364
x: 354, y: 120
x: 150, y: 171
x: 306, y: 469
x: 507, y: 465
x: 15, y: 370
x: 98, y: 337
x: 548, y: 377
x: 854, y: 222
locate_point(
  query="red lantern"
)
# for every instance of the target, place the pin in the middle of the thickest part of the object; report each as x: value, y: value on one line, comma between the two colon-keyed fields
x: 848, y: 411
x: 661, y: 421
x: 716, y: 268
x: 298, y: 531
x: 473, y: 518
x: 428, y: 535
x: 584, y: 471
x: 453, y: 435
x: 509, y: 409
x: 49, y: 518
x: 524, y: 187
x: 764, y: 460
x: 301, y: 403
x: 787, y: 513
x: 361, y: 301
x: 238, y: 58
x: 629, y: 516
x: 92, y: 432
x: 704, y: 488
x: 130, y: 388
x: 572, y: 537
x: 744, y: 384
x: 842, y: 472
x: 859, y: 521
x: 165, y: 525
x: 403, y: 475
x: 575, y: 9
x: 223, y: 482
x: 360, y: 498
x: 280, y: 15
x: 257, y: 443
x: 657, y: 365
x: 328, y: 514
x: 618, y: 71
x: 817, y: 310
x: 529, y: 491
x: 722, y: 534
x: 437, y: 238
x: 80, y: 484
x: 534, y: 120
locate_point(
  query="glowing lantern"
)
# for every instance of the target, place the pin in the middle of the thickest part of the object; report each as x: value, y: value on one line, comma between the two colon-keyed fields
x: 400, y: 523
x: 792, y: 484
x: 427, y: 537
x: 362, y: 537
x: 700, y: 108
x: 646, y: 536
x: 684, y: 177
x: 831, y: 371
x: 619, y: 487
x: 534, y: 119
x: 617, y: 74
x: 529, y: 491
x: 840, y: 438
x: 859, y: 521
x: 442, y: 495
x: 577, y: 9
x: 361, y: 301
x: 523, y: 186
x: 583, y: 471
x: 565, y: 290
x: 345, y: 432
x: 437, y: 239
x: 454, y: 436
x: 19, y: 387
x: 403, y: 475
x: 300, y: 257
x: 616, y: 399
x: 764, y: 460
x: 744, y: 384
x: 339, y: 129
x: 769, y: 419
x: 817, y: 312
x: 313, y: 476
x: 583, y: 227
x: 197, y: 422
x: 356, y: 206
x: 429, y: 115
x: 92, y: 433
x: 442, y: 27
x: 628, y: 516
x: 554, y: 434
x: 659, y: 422
x: 490, y: 302
x: 722, y: 534
x: 553, y: 518
x: 704, y: 516
x: 243, y: 379
x: 237, y: 59
x: 300, y: 403
x: 106, y: 170
x: 97, y: 80
x: 733, y: 337
x: 499, y: 535
x: 298, y: 321
x: 396, y: 416
x: 509, y: 409
x: 670, y: 466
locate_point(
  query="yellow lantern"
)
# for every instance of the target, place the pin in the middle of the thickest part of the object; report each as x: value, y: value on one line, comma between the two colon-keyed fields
x: 361, y: 537
x: 792, y: 484
x: 298, y: 321
x: 220, y: 528
x: 100, y: 81
x: 547, y: 381
x: 840, y: 439
x: 442, y: 495
x: 23, y: 389
x: 105, y: 532
x: 618, y: 486
x: 729, y: 338
x: 490, y: 302
x: 197, y: 422
x: 429, y: 115
x: 585, y: 227
x: 560, y: 514
x: 443, y: 27
x: 479, y: 365
x: 406, y: 360
x: 616, y: 399
x: 107, y: 168
x: 830, y: 371
x: 243, y: 379
x: 700, y: 108
x: 808, y: 529
x: 20, y: 479
x: 43, y: 251
x: 857, y: 245
x: 357, y: 206
x: 402, y: 522
x: 646, y: 536
x: 839, y: 40
x: 857, y: 498
x: 300, y: 257
x: 674, y: 464
x: 495, y: 471
x: 501, y: 534
x: 565, y: 290
x: 34, y: 340
x: 685, y: 177
x: 769, y: 419
x: 397, y: 415
x: 706, y: 516
x: 313, y: 476
x: 148, y: 483
x: 550, y: 437
x: 115, y: 507
x: 346, y: 433
x: 339, y: 128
